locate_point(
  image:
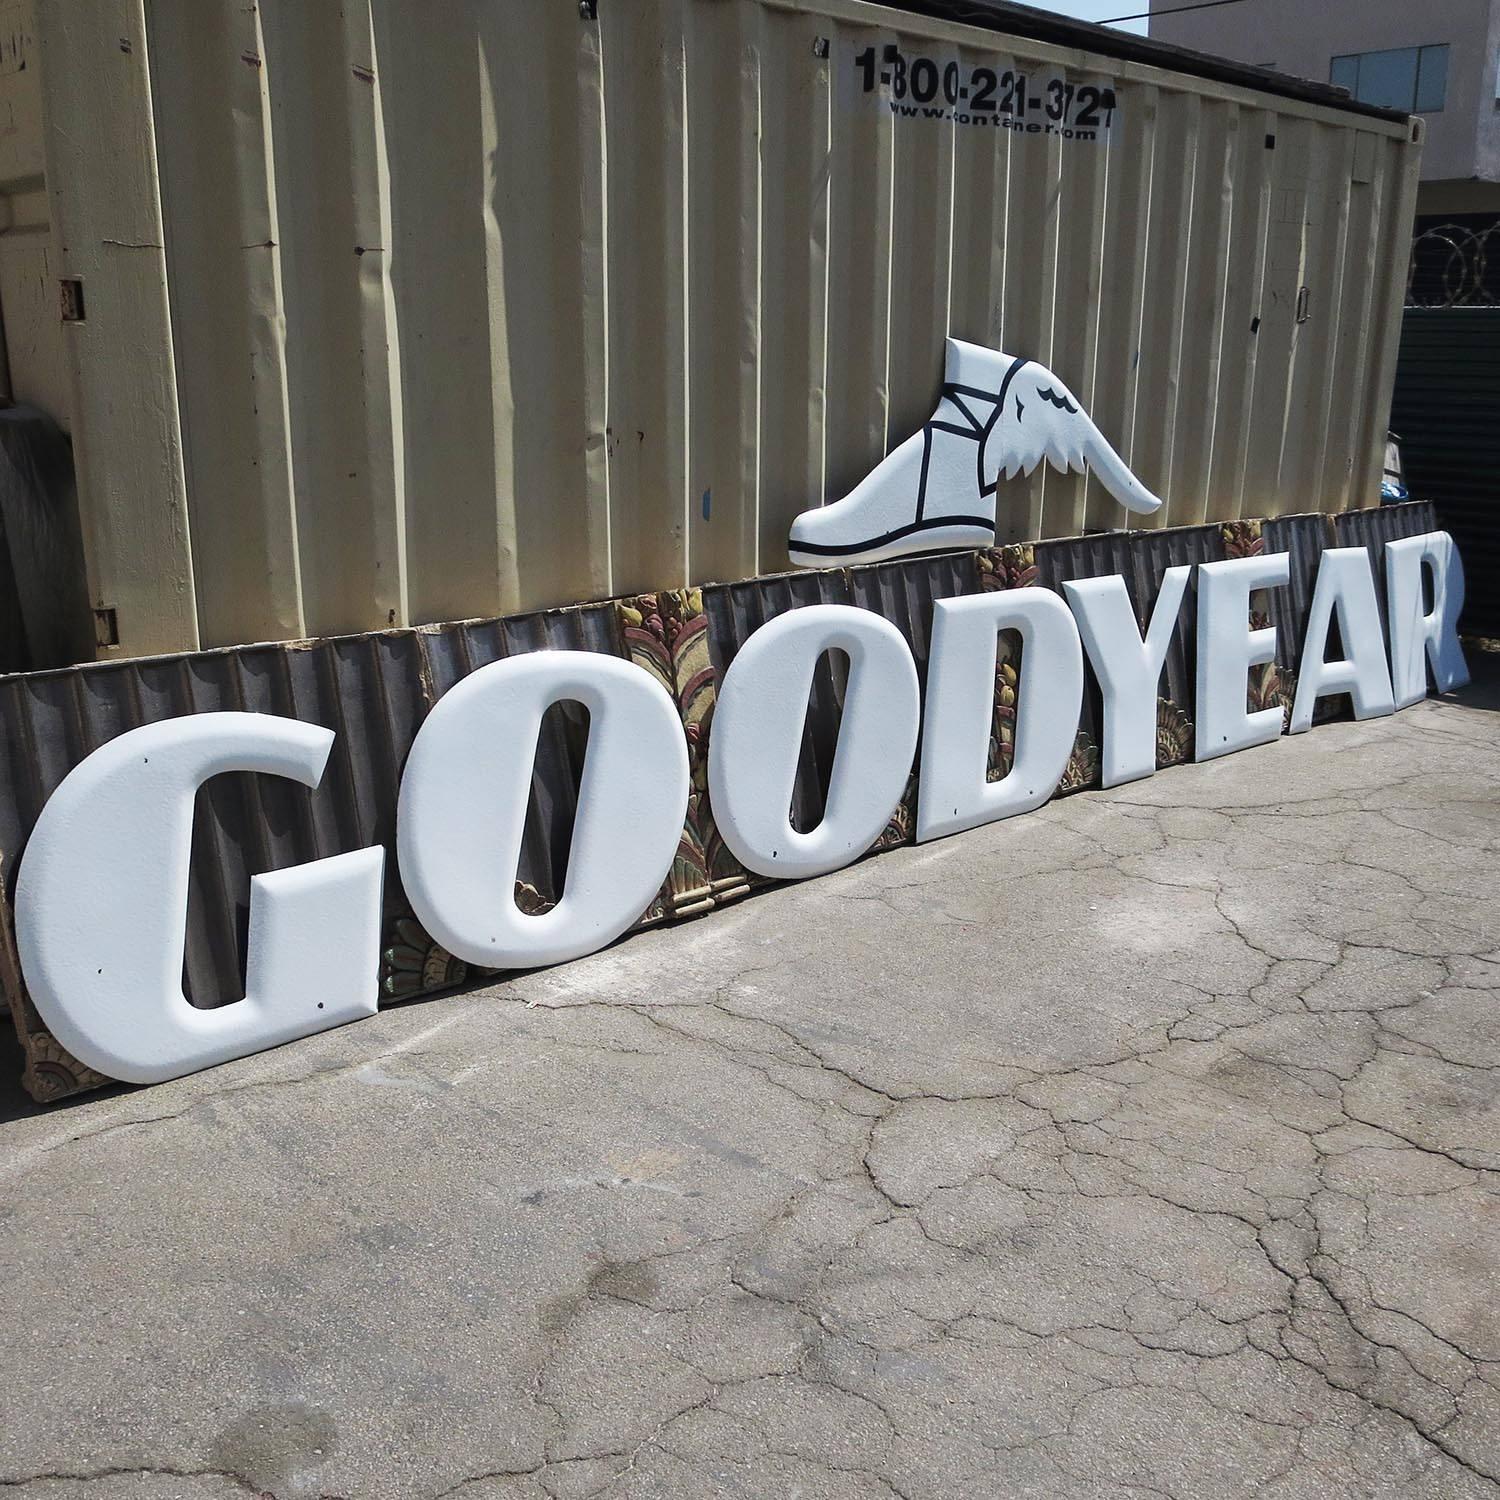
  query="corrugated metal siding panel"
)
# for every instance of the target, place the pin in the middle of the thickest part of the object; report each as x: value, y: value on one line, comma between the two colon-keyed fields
x: 1157, y: 374
x: 1080, y: 291
x: 103, y: 189
x: 796, y: 115
x: 902, y: 592
x: 1447, y: 411
x: 1372, y: 191
x: 1233, y: 431
x: 373, y: 691
x: 1122, y: 237
x: 1374, y: 527
x: 1205, y: 308
x: 646, y: 248
x: 735, y: 612
x: 1303, y: 538
x: 213, y: 129
x: 1325, y: 207
x: 647, y: 285
x: 859, y: 166
x: 724, y: 93
x: 1389, y: 281
x: 343, y: 357
x: 1142, y: 559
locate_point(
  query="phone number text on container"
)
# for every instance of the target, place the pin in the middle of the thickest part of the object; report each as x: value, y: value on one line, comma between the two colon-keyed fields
x: 920, y: 87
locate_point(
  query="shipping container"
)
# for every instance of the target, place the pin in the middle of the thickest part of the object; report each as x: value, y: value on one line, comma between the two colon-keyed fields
x: 374, y: 313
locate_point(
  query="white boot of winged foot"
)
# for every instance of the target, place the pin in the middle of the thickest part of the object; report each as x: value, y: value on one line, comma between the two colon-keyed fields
x: 936, y: 491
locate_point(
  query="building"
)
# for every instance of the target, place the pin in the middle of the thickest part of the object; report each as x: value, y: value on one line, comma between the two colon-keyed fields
x: 1437, y: 59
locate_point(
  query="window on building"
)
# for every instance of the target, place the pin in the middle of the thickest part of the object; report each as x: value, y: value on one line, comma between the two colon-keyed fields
x: 1411, y: 78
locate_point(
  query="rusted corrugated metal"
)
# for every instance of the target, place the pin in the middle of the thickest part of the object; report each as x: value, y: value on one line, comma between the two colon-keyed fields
x: 658, y: 275
x: 1142, y: 559
x: 735, y: 612
x: 1303, y: 539
x: 901, y: 591
x: 1374, y: 527
x: 1378, y: 524
x: 374, y: 691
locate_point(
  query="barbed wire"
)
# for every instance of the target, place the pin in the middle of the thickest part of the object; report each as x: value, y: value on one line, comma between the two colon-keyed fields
x: 1454, y: 266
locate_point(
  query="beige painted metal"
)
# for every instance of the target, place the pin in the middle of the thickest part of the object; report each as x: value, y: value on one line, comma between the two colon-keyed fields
x: 482, y: 307
x: 122, y: 388
x: 794, y: 274
x: 29, y: 265
x: 212, y: 113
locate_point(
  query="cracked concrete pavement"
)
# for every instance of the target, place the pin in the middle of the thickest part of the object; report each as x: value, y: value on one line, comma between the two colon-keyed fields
x: 1147, y: 1145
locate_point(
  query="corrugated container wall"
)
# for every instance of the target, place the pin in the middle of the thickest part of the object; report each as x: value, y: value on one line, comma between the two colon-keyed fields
x: 397, y: 311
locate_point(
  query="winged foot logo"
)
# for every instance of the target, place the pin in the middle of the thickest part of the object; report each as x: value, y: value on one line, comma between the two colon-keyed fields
x: 998, y: 415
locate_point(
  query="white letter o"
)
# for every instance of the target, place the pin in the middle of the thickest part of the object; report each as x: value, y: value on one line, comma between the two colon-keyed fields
x: 464, y: 794
x: 757, y: 737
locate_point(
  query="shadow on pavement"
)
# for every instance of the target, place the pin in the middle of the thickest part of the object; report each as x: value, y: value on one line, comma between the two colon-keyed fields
x: 15, y: 1102
x: 1483, y: 691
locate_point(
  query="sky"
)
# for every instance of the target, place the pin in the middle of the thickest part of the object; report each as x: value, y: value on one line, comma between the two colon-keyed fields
x: 1096, y: 10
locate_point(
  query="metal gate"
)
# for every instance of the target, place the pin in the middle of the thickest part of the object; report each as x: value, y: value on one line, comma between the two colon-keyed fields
x: 1447, y: 413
